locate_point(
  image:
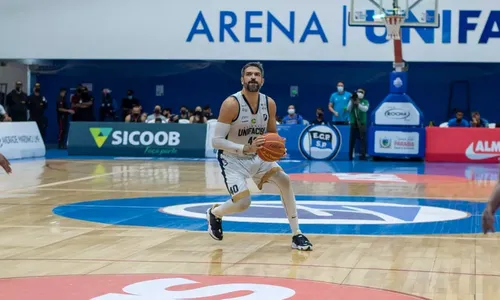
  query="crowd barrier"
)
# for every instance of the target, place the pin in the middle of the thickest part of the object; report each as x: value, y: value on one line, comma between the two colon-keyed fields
x: 315, y: 142
x: 20, y: 140
x: 481, y: 145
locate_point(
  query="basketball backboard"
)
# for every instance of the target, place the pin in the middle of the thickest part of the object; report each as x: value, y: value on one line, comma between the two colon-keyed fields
x: 418, y: 13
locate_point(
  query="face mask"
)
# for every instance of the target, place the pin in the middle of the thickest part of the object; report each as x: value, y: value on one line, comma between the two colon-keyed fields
x: 291, y: 111
x: 361, y: 95
x: 37, y: 90
x: 320, y: 115
x: 340, y: 89
x: 18, y: 88
x: 135, y: 114
x: 157, y: 111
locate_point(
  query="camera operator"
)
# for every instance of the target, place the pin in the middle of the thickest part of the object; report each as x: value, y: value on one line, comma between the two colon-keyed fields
x: 358, y: 107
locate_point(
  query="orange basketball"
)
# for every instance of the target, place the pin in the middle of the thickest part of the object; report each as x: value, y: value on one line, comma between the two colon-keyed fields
x: 273, y: 148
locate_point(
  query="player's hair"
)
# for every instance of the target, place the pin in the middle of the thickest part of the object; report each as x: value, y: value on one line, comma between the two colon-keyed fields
x: 258, y: 65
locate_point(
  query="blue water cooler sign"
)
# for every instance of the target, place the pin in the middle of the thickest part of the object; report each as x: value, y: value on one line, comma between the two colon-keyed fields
x: 397, y: 129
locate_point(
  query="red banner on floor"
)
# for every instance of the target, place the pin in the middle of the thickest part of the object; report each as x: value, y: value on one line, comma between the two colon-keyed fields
x: 480, y: 145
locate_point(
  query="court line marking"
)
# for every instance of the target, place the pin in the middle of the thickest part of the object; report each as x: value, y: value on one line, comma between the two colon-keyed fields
x: 221, y: 193
x: 232, y: 264
x: 107, y: 227
x: 64, y: 182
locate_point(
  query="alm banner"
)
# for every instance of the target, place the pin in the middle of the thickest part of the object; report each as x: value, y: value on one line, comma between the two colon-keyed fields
x: 137, y: 139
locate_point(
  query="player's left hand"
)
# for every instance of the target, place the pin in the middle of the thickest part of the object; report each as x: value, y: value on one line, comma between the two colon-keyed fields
x: 5, y: 164
x: 488, y: 221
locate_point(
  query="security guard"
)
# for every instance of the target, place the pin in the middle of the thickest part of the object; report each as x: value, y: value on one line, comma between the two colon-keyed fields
x: 17, y: 104
x: 107, y: 109
x: 37, y: 105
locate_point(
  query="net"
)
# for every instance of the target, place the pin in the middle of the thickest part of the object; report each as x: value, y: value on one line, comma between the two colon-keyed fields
x: 393, y: 25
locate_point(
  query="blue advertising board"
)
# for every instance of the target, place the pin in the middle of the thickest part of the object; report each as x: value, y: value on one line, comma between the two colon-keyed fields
x: 396, y: 142
x: 316, y: 142
x: 137, y: 139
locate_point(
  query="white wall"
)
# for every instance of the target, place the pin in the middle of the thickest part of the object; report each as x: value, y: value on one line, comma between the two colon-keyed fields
x: 13, y: 72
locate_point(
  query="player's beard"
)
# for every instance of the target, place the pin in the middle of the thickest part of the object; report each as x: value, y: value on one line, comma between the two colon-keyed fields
x: 252, y: 86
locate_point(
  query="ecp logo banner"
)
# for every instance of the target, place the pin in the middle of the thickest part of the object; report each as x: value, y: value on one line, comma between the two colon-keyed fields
x: 137, y: 139
x: 481, y: 145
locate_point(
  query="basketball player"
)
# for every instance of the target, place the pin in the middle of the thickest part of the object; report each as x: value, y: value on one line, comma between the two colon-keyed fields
x: 244, y: 117
x: 491, y: 208
x: 5, y: 164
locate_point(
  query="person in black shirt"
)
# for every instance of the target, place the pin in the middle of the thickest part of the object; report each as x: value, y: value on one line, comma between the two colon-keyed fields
x: 17, y: 104
x: 107, y: 109
x: 135, y: 116
x: 37, y: 105
x: 63, y: 112
x: 128, y: 103
x: 320, y: 114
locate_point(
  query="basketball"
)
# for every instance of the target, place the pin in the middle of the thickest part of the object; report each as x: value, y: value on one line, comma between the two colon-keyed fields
x: 273, y: 148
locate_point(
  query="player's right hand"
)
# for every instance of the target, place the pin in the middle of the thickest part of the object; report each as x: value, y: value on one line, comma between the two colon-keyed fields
x: 488, y: 221
x: 257, y: 144
x: 5, y: 164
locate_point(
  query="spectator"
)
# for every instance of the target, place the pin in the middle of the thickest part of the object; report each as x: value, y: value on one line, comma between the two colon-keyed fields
x: 17, y: 104
x: 135, y: 116
x: 458, y: 121
x: 167, y: 112
x: 4, y: 117
x: 207, y: 112
x: 198, y: 116
x: 83, y: 105
x: 37, y: 105
x: 174, y: 119
x: 338, y: 105
x: 108, y: 106
x: 129, y: 102
x: 477, y: 121
x: 184, y: 113
x: 156, y: 116
x: 63, y: 113
x: 358, y: 107
x: 320, y: 120
x: 292, y: 117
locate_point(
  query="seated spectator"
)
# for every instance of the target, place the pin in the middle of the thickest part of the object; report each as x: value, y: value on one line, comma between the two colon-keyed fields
x: 198, y: 116
x: 320, y: 117
x: 458, y: 121
x: 4, y: 117
x: 207, y: 112
x: 184, y: 113
x: 477, y: 121
x: 135, y: 116
x: 156, y: 116
x: 174, y: 119
x: 292, y: 117
x: 167, y: 112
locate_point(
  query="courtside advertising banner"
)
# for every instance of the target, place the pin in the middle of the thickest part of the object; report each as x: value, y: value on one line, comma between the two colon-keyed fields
x: 480, y: 145
x: 396, y: 142
x: 21, y: 140
x: 137, y: 139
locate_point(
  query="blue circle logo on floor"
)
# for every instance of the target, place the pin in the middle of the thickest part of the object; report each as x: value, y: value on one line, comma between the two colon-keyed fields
x: 317, y: 214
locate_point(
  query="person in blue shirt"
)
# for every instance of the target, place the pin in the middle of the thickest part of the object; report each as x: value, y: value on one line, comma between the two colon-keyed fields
x: 458, y: 121
x: 477, y: 121
x: 338, y: 105
x: 292, y: 117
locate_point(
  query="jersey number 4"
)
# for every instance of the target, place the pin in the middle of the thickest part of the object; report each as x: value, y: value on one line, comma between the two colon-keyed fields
x: 251, y: 139
x: 234, y: 189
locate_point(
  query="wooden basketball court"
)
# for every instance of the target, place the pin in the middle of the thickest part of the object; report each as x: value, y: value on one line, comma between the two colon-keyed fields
x: 36, y: 242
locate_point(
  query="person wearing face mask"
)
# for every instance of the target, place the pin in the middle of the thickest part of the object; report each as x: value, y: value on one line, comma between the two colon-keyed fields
x: 198, y: 116
x: 135, y: 116
x: 320, y: 120
x: 207, y: 112
x: 156, y: 116
x: 358, y: 108
x: 107, y: 109
x: 458, y: 121
x: 128, y: 103
x: 292, y: 117
x: 338, y: 105
x: 184, y: 113
x: 36, y: 106
x: 17, y: 104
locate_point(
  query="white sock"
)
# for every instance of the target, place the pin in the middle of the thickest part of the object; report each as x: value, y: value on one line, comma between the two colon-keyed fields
x: 282, y: 181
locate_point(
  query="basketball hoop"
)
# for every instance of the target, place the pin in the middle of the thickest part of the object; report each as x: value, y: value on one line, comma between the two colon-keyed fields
x: 393, y: 25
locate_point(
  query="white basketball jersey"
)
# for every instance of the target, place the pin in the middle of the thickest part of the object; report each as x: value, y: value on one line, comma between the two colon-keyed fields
x: 248, y: 125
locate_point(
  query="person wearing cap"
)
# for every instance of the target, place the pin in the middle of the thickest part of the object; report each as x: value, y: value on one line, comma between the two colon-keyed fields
x: 37, y: 105
x: 17, y: 104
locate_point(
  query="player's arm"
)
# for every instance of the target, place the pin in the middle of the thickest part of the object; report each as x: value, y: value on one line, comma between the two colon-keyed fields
x: 229, y: 112
x: 271, y: 123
